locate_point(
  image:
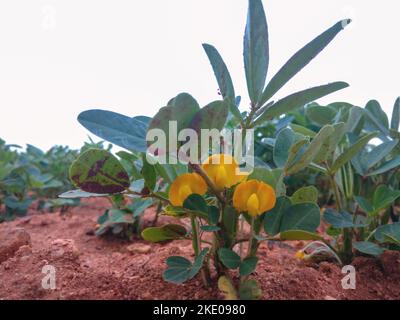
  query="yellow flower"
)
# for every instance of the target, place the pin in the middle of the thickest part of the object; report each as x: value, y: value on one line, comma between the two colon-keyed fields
x: 300, y: 255
x: 184, y: 186
x: 223, y: 171
x: 254, y: 197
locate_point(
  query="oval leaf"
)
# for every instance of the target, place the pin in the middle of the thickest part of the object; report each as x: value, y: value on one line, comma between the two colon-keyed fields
x: 351, y: 152
x: 298, y: 100
x: 221, y: 72
x: 369, y: 248
x: 305, y: 194
x: 76, y: 194
x: 302, y: 58
x: 303, y: 216
x: 230, y: 259
x: 164, y: 233
x: 128, y: 133
x: 98, y: 171
x: 299, y: 235
x: 256, y: 49
x: 248, y: 266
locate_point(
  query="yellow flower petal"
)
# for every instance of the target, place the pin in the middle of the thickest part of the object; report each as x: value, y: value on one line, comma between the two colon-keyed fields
x: 267, y: 197
x: 253, y: 205
x: 221, y: 178
x: 184, y: 186
x: 254, y: 197
x: 223, y: 171
x: 300, y: 255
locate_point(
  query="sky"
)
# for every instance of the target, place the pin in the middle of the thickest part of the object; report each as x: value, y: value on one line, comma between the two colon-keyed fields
x: 59, y: 58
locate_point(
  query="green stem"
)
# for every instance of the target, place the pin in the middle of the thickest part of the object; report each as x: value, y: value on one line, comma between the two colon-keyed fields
x: 159, y: 208
x: 250, y: 249
x: 196, y: 168
x: 151, y: 195
x: 196, y: 242
x: 347, y: 251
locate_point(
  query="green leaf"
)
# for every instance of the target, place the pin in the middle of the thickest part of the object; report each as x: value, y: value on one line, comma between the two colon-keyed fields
x: 394, y: 163
x: 351, y: 152
x: 377, y: 154
x: 196, y: 203
x: 181, y: 269
x: 198, y: 263
x: 273, y: 218
x: 272, y: 177
x: 305, y: 194
x: 212, y: 116
x: 176, y: 212
x: 248, y: 266
x: 77, y: 194
x: 298, y: 100
x: 303, y: 130
x: 178, y: 270
x: 223, y: 78
x: 312, y: 151
x: 299, y: 235
x: 126, y: 132
x: 377, y: 123
x: 384, y: 197
x: 169, y: 172
x: 295, y: 150
x: 210, y: 228
x: 302, y: 58
x: 369, y: 248
x: 355, y: 116
x: 256, y: 50
x: 230, y: 259
x: 283, y: 143
x: 394, y: 125
x: 250, y: 290
x: 98, y: 171
x: 321, y: 115
x: 164, y: 233
x: 182, y: 110
x: 391, y: 239
x: 342, y: 220
x: 377, y: 113
x: 302, y: 216
x: 364, y: 204
x: 114, y: 218
x: 139, y: 206
x: 392, y: 230
x: 328, y: 149
x: 149, y: 174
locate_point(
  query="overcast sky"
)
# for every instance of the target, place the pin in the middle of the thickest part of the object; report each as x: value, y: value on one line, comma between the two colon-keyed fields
x: 61, y: 57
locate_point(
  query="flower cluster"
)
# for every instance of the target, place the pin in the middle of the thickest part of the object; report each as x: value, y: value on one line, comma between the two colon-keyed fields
x: 253, y: 197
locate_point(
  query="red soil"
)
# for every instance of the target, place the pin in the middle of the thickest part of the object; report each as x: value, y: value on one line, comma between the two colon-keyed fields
x: 88, y: 267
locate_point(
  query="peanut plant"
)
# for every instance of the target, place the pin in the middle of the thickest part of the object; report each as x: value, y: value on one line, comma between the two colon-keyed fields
x: 219, y: 208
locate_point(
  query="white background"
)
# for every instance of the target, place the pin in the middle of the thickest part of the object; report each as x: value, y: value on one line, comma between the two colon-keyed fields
x: 60, y: 57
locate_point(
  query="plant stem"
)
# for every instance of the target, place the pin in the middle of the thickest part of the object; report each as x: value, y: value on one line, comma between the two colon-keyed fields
x: 159, y: 208
x: 196, y: 242
x: 250, y: 248
x: 196, y: 168
x: 347, y: 251
x: 151, y: 195
x: 241, y: 228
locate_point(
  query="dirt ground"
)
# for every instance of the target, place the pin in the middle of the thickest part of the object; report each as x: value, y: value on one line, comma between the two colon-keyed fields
x: 89, y: 267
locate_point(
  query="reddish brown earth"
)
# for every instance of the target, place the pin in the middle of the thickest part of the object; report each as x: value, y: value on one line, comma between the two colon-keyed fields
x: 88, y: 267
